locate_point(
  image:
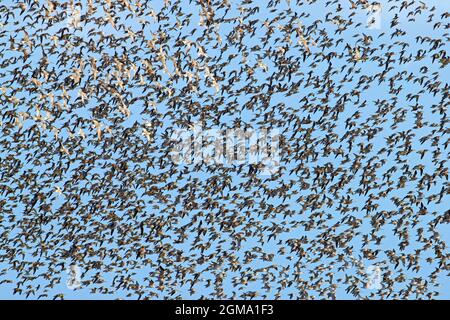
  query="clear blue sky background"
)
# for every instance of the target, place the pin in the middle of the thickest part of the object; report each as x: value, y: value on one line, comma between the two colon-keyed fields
x: 374, y: 92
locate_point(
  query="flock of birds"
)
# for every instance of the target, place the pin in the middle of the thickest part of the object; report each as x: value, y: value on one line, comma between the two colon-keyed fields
x: 91, y: 91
